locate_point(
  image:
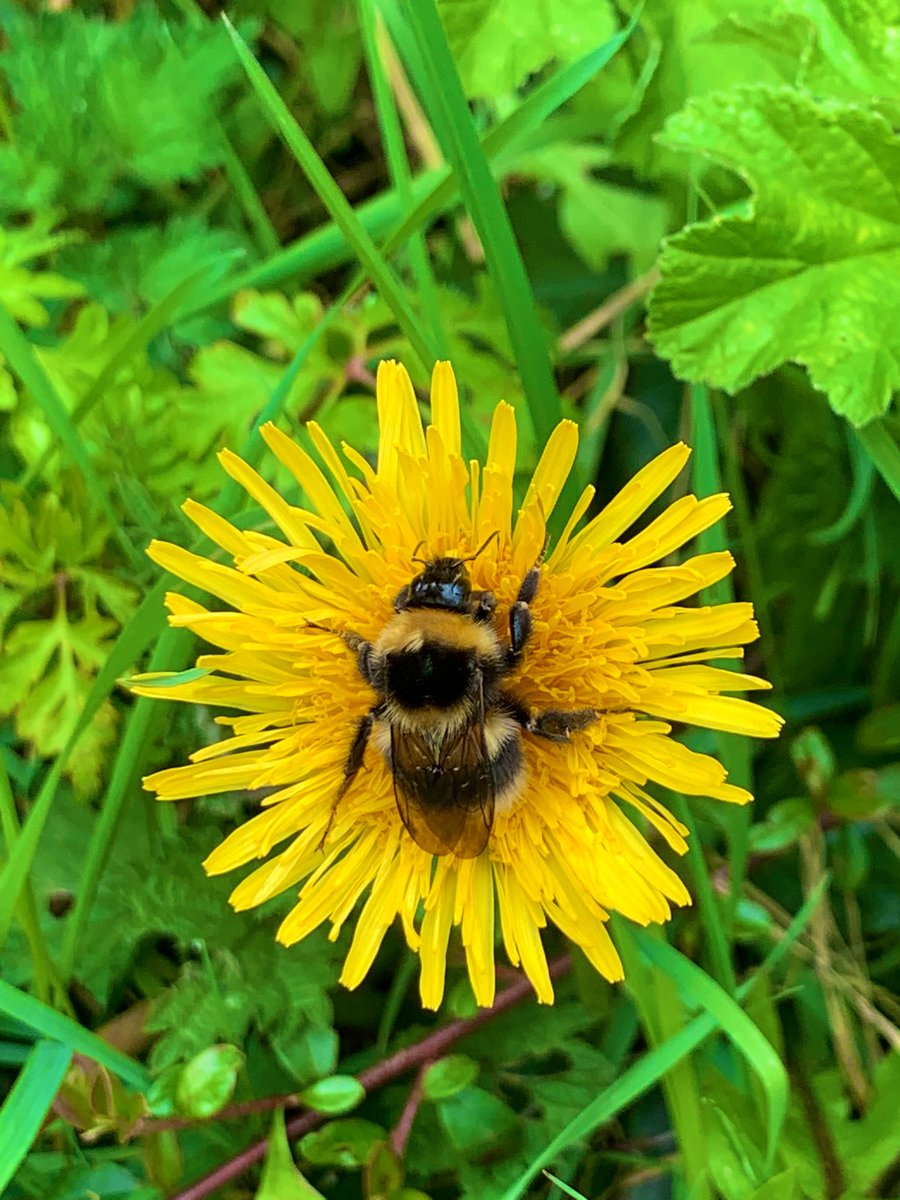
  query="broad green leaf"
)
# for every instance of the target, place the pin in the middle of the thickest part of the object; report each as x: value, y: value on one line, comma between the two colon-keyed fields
x: 810, y: 274
x: 26, y: 1105
x: 498, y: 43
x: 346, y: 1143
x: 598, y: 218
x: 842, y: 48
x: 207, y: 1082
x: 280, y: 1178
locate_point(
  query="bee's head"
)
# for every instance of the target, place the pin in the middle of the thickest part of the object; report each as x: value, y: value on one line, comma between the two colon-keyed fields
x: 444, y: 583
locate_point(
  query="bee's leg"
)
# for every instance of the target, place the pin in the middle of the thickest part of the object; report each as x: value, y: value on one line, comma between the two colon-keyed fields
x: 520, y: 623
x: 352, y: 763
x: 365, y: 659
x: 556, y: 725
x: 484, y: 610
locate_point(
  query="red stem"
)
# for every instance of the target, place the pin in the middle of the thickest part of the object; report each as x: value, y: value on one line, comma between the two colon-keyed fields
x: 407, y: 1059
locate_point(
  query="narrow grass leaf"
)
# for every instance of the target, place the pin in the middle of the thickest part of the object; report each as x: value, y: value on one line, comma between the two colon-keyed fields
x: 173, y: 647
x: 652, y: 1066
x: 28, y: 1103
x: 878, y: 442
x: 433, y: 192
x: 332, y: 197
x: 51, y: 1024
x: 693, y: 982
x: 443, y: 97
x: 20, y: 355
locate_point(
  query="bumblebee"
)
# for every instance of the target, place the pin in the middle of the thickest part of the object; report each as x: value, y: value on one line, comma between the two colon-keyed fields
x: 449, y: 731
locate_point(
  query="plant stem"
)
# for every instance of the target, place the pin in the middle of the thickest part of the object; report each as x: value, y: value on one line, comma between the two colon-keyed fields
x: 376, y: 1076
x: 878, y: 442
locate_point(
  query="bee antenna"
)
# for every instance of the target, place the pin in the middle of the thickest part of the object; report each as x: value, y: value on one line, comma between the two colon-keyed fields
x: 484, y: 545
x: 422, y: 561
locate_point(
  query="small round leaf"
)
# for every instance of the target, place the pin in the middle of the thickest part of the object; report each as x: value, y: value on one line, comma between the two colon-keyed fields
x: 335, y: 1095
x: 346, y: 1143
x: 448, y: 1076
x: 208, y: 1081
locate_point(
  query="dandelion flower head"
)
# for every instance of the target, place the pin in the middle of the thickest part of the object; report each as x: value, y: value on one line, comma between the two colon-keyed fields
x: 611, y: 632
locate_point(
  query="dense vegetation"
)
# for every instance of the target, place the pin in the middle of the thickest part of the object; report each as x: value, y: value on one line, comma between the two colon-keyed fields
x: 663, y: 221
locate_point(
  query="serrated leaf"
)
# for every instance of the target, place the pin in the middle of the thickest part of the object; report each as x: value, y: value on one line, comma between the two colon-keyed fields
x: 498, y: 43
x: 810, y: 275
x: 842, y: 48
x: 22, y: 289
x: 138, y: 101
x: 281, y: 1180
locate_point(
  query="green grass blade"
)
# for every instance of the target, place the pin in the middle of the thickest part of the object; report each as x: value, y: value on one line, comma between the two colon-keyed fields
x: 51, y: 1024
x: 734, y: 1022
x: 878, y: 442
x: 28, y: 1102
x: 733, y: 751
x: 398, y: 164
x: 446, y: 104
x: 710, y: 913
x: 663, y: 1014
x: 21, y: 357
x: 24, y: 903
x: 332, y: 197
x: 433, y: 192
x: 653, y: 1065
x: 171, y: 651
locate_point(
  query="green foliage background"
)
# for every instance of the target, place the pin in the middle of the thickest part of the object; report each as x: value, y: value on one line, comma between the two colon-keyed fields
x: 184, y: 240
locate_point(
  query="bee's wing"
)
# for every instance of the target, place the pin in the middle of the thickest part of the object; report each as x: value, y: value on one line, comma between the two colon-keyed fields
x: 454, y: 810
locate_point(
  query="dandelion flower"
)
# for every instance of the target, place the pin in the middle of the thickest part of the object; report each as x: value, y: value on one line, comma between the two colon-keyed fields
x: 610, y: 633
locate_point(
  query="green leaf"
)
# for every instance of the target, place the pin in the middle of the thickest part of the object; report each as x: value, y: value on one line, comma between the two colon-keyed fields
x: 448, y: 1076
x: 335, y: 1095
x: 138, y: 98
x: 863, y: 795
x: 840, y: 48
x: 476, y: 1122
x: 28, y: 1101
x: 598, y: 218
x: 51, y: 1024
x: 446, y: 105
x: 879, y: 731
x: 744, y: 1034
x: 207, y: 1082
x: 22, y: 289
x: 346, y: 1143
x: 280, y: 1178
x: 651, y: 1066
x: 782, y: 1186
x: 332, y: 197
x: 809, y: 276
x: 498, y: 43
